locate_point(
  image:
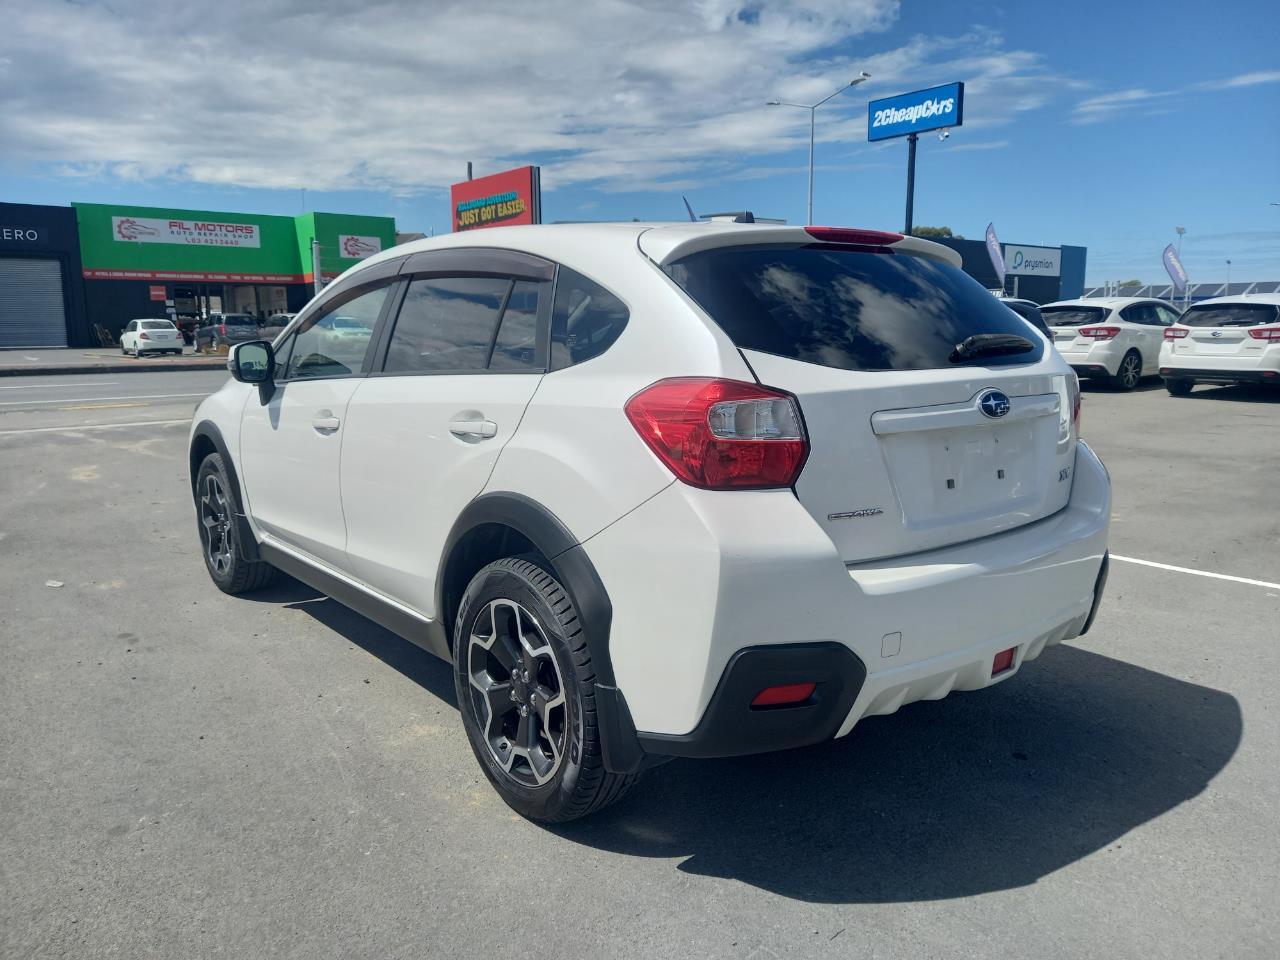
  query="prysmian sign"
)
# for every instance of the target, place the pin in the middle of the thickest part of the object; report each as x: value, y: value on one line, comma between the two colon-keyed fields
x: 198, y: 233
x: 916, y: 112
x: 1032, y: 261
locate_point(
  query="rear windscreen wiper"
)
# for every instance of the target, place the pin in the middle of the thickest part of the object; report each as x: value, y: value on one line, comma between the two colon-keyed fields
x: 990, y: 345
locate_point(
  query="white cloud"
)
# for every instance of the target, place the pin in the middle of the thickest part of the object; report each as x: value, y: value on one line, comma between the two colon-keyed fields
x: 1242, y: 80
x: 398, y: 95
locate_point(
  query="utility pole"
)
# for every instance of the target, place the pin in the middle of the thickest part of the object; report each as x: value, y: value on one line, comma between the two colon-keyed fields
x: 317, y: 278
x: 911, y: 183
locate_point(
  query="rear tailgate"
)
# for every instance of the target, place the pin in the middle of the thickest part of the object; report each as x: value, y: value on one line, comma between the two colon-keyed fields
x: 1223, y: 330
x: 910, y: 449
x: 897, y: 465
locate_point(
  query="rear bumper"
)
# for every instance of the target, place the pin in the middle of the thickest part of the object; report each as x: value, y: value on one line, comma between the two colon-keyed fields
x: 1098, y: 360
x: 1211, y: 375
x: 700, y: 581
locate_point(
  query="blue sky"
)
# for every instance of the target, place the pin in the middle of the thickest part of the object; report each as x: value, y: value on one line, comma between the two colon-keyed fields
x: 1097, y: 124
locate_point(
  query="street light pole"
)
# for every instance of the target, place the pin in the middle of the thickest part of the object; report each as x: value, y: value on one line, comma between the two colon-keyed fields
x: 813, y: 112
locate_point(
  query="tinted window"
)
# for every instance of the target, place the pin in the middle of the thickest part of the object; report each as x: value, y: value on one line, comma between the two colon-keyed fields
x: 585, y: 320
x: 1028, y: 312
x: 1143, y: 313
x: 1168, y: 315
x: 516, y: 347
x: 333, y: 341
x: 446, y: 323
x: 156, y: 325
x: 1073, y: 316
x: 238, y: 320
x: 845, y: 308
x: 1230, y: 315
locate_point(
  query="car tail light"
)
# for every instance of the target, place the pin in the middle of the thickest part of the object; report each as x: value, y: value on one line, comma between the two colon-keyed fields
x: 784, y: 695
x: 1073, y: 394
x: 144, y: 336
x: 865, y: 238
x: 1265, y: 333
x: 222, y: 329
x: 721, y: 434
x: 1100, y: 333
x: 1176, y: 333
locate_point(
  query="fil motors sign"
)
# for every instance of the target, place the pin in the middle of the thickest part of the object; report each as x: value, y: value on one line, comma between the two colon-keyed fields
x: 192, y: 233
x: 1033, y: 261
x: 916, y: 112
x: 500, y: 200
x: 357, y: 248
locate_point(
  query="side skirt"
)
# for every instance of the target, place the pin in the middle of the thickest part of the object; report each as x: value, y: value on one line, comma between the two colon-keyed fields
x: 427, y: 634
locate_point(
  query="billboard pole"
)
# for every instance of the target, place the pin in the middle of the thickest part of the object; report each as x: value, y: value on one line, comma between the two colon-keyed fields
x: 317, y: 279
x: 911, y: 180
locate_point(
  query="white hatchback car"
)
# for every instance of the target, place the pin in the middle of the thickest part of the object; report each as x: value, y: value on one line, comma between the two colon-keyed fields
x: 141, y: 337
x: 1113, y: 337
x: 1225, y: 340
x: 665, y: 490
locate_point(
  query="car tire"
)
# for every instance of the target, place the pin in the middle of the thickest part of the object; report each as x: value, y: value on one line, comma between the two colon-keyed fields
x: 1179, y: 388
x: 220, y: 532
x: 123, y: 351
x: 518, y: 649
x: 1129, y: 373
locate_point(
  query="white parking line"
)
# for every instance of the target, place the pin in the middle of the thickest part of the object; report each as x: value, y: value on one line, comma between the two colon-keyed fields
x: 153, y: 396
x: 1198, y: 573
x: 94, y: 426
x: 62, y: 386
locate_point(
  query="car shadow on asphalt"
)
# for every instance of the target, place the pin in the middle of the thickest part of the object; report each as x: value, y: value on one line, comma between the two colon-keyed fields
x: 1145, y: 385
x: 426, y: 670
x: 980, y: 792
x: 1240, y: 392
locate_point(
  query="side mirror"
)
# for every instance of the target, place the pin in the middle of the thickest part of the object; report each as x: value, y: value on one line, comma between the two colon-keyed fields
x: 254, y: 362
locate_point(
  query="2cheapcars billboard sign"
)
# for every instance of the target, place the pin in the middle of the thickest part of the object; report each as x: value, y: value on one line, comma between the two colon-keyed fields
x: 916, y: 112
x: 201, y: 233
x: 500, y: 200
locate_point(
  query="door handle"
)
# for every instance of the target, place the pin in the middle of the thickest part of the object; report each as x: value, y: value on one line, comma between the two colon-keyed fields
x: 326, y: 424
x: 473, y: 428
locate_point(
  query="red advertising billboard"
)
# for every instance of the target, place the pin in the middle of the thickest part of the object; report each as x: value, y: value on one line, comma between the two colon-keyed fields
x: 499, y: 200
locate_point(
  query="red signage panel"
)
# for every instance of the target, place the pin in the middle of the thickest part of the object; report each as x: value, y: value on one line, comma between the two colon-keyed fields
x: 157, y: 293
x: 499, y: 200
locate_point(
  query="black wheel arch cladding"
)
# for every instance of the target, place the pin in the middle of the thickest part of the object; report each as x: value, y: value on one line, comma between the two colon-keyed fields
x: 206, y: 438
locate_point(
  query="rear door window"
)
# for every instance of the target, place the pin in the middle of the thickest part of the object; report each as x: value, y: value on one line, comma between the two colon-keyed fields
x: 1230, y: 315
x: 446, y: 325
x: 846, y: 308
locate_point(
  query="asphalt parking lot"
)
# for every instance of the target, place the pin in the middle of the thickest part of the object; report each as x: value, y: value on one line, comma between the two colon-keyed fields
x: 190, y: 775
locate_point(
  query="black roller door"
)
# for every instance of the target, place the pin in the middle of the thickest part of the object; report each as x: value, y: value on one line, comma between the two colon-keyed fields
x: 32, y: 306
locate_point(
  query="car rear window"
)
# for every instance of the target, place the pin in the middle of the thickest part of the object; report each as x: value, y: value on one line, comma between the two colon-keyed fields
x: 1072, y: 316
x: 847, y: 308
x: 1230, y: 315
x: 156, y: 325
x: 239, y: 320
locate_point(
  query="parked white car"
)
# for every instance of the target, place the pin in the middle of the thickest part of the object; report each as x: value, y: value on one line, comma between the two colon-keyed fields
x: 680, y: 490
x: 1116, y: 338
x: 1225, y: 340
x: 141, y: 337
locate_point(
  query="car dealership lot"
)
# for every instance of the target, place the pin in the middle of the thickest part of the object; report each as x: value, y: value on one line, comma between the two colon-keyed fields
x: 188, y: 774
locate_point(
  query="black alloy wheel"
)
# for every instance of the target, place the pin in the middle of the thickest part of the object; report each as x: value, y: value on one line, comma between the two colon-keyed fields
x: 215, y: 526
x: 517, y: 692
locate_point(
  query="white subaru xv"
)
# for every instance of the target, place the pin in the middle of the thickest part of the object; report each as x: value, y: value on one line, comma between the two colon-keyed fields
x: 688, y: 490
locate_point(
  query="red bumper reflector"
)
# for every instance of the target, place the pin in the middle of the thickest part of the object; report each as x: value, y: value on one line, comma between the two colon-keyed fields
x: 1003, y: 661
x: 787, y: 693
